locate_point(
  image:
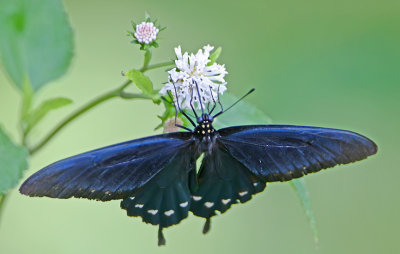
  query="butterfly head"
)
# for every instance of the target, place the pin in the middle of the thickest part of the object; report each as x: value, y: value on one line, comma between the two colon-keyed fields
x: 204, y: 125
x: 204, y: 118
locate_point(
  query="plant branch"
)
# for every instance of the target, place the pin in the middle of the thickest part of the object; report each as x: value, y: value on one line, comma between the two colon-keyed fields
x: 2, y: 201
x: 126, y: 95
x: 105, y: 97
x: 155, y: 66
x: 119, y: 92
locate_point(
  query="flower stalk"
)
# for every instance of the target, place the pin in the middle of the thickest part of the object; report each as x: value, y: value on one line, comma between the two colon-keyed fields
x: 118, y: 92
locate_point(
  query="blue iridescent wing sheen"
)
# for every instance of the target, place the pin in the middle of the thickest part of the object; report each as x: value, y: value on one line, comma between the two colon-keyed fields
x: 165, y: 199
x: 222, y: 181
x: 284, y: 152
x: 112, y: 172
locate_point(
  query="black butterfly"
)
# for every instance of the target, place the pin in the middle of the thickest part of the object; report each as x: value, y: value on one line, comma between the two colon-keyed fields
x: 156, y: 176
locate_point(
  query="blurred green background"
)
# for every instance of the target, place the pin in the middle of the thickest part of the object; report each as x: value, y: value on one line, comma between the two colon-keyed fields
x: 324, y: 63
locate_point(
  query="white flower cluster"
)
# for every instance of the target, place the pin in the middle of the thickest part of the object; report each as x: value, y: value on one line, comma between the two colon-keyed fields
x: 191, y: 71
x: 146, y: 32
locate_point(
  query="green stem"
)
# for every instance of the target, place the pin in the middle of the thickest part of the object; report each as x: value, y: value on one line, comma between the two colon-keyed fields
x: 155, y: 66
x: 105, y: 97
x: 2, y: 201
x: 147, y: 58
x: 126, y: 95
x: 119, y: 92
x: 27, y: 96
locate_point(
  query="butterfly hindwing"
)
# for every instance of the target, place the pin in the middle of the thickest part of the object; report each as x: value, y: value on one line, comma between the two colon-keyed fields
x: 112, y: 172
x: 222, y: 181
x: 164, y: 200
x: 282, y: 152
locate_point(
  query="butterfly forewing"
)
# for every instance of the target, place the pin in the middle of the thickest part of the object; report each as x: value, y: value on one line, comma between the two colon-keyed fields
x: 283, y: 152
x: 156, y: 176
x: 112, y: 172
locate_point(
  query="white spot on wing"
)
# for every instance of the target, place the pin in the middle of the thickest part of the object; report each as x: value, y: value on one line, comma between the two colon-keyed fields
x: 184, y: 204
x: 209, y: 204
x: 255, y: 184
x: 169, y: 212
x: 131, y: 198
x: 139, y: 205
x: 197, y: 198
x: 225, y: 201
x: 153, y: 212
x: 242, y: 193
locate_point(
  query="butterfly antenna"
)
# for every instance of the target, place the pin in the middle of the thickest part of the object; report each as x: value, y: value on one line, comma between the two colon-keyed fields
x: 176, y: 114
x: 222, y: 111
x: 191, y: 104
x: 215, y: 103
x: 171, y: 103
x: 179, y: 110
x: 201, y: 104
x: 220, y: 104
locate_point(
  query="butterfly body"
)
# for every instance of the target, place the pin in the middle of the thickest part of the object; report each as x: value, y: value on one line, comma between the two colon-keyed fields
x: 156, y: 177
x: 205, y: 134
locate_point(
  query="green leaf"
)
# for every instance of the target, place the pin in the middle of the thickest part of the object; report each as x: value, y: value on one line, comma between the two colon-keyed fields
x: 141, y: 81
x: 169, y: 112
x: 134, y: 27
x: 13, y: 161
x: 214, y: 56
x: 40, y: 112
x: 243, y: 113
x: 300, y: 188
x: 147, y: 16
x: 36, y: 41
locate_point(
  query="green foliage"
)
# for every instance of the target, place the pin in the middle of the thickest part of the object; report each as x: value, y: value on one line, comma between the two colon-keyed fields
x: 36, y: 47
x: 214, y: 56
x: 169, y: 112
x: 32, y: 118
x: 300, y: 188
x: 13, y: 161
x: 141, y: 81
x: 35, y: 41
